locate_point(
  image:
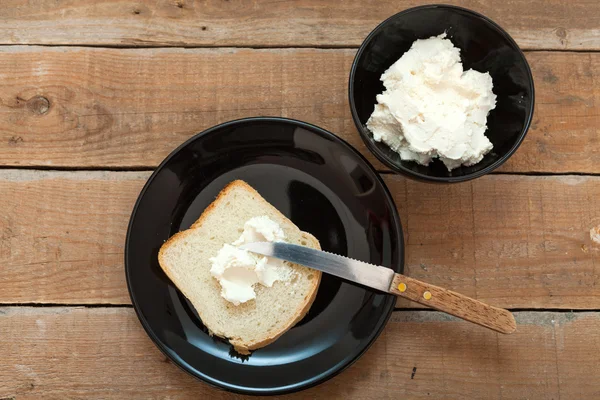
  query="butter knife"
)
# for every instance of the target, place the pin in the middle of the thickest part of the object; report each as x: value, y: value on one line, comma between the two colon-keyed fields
x: 386, y: 280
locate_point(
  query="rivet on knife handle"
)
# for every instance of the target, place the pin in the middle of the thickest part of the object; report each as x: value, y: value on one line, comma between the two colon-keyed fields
x: 453, y: 303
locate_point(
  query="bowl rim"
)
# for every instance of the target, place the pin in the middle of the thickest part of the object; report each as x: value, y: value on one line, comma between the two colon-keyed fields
x: 398, y: 168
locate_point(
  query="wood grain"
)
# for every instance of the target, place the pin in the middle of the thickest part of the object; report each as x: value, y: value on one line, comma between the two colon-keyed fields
x: 456, y: 304
x: 75, y: 107
x: 50, y: 353
x: 62, y: 235
x: 510, y: 241
x: 538, y: 24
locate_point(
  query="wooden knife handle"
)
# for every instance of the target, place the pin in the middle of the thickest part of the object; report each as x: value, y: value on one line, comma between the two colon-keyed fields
x: 453, y: 303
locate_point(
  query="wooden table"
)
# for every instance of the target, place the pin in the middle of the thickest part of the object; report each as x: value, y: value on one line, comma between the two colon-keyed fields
x: 94, y: 94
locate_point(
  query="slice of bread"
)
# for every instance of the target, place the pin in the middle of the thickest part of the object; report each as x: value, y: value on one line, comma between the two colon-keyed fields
x: 256, y: 323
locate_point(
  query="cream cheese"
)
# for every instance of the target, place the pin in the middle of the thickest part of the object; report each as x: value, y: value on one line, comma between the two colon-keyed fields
x: 238, y: 271
x: 432, y: 108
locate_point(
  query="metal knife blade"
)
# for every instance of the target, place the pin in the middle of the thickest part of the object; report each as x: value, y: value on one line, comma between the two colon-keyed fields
x: 374, y: 276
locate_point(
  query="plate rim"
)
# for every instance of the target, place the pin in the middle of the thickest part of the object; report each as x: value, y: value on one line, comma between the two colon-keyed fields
x: 279, y: 390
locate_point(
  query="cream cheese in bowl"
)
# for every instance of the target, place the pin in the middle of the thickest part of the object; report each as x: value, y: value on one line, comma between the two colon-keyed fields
x: 432, y: 108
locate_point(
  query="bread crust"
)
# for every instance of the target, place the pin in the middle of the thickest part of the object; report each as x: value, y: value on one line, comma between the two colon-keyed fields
x: 239, y: 345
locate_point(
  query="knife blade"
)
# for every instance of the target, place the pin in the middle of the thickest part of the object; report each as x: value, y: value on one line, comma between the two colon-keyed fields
x: 386, y: 280
x: 373, y: 276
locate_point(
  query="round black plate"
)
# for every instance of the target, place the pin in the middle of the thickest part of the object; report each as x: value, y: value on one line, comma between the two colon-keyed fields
x: 326, y: 188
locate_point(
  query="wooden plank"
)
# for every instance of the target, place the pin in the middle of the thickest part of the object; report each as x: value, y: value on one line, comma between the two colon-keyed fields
x: 512, y: 241
x: 104, y: 353
x: 567, y: 105
x: 539, y: 24
x: 74, y: 107
x: 62, y: 235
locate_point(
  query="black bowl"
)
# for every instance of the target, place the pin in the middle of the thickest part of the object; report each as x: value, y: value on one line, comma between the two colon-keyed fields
x: 484, y: 47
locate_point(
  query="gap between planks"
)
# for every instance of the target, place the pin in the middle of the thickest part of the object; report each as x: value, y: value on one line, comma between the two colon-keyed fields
x: 396, y: 309
x: 236, y: 48
x: 252, y: 47
x: 512, y: 310
x: 57, y: 169
x: 61, y: 305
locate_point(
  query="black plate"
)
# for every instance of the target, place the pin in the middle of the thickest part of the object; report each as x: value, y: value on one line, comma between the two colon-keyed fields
x: 484, y: 46
x: 325, y: 187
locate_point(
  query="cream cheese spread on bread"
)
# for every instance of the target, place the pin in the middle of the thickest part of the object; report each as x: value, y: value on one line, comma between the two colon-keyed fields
x: 239, y: 270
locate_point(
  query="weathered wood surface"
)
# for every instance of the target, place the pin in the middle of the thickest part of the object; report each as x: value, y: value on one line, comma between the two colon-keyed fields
x: 539, y: 24
x: 78, y: 107
x: 62, y: 235
x: 512, y: 241
x: 50, y: 353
